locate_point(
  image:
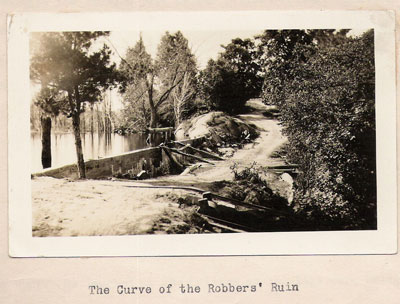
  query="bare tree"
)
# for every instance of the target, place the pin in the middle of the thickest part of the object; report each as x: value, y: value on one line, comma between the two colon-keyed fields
x: 182, y: 96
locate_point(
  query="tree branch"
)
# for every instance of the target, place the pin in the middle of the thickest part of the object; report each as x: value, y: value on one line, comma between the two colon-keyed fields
x: 165, y: 95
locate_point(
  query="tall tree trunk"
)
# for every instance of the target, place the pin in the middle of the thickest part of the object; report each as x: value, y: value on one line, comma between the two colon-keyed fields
x: 110, y: 118
x: 178, y: 113
x: 46, y: 141
x: 78, y: 146
x: 83, y: 123
x: 100, y: 125
x: 77, y: 132
x: 91, y: 118
x: 153, y: 117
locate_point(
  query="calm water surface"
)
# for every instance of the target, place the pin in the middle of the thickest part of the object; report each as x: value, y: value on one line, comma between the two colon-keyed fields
x: 94, y: 146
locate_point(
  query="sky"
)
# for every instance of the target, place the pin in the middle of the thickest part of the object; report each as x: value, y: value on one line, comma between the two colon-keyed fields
x: 204, y: 44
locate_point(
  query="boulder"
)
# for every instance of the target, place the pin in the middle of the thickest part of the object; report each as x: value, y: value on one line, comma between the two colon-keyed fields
x: 289, y: 193
x: 142, y: 175
x: 217, y: 127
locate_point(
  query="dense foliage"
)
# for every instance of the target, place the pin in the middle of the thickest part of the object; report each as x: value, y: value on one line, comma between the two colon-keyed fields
x: 325, y: 91
x: 136, y: 69
x: 228, y: 82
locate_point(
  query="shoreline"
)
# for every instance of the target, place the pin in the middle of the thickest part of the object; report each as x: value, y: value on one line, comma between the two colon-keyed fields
x: 62, y: 207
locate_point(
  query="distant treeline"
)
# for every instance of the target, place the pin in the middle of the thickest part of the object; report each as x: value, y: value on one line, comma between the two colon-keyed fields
x: 97, y: 118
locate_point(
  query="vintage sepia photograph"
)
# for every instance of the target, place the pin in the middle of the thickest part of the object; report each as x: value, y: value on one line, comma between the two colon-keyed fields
x: 202, y: 132
x: 200, y: 151
x: 194, y: 138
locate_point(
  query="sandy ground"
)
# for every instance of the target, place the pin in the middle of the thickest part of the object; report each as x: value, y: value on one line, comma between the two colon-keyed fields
x: 95, y: 207
x: 105, y: 207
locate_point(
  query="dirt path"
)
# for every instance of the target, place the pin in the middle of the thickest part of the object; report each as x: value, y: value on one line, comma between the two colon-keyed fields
x: 258, y: 151
x: 100, y: 207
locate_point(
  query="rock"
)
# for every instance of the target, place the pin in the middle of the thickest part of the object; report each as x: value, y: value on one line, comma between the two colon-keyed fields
x: 189, y: 200
x: 287, y: 178
x: 216, y: 126
x: 180, y: 133
x: 227, y: 152
x: 142, y: 175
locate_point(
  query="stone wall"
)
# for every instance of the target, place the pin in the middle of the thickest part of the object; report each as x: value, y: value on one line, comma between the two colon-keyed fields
x: 149, y: 159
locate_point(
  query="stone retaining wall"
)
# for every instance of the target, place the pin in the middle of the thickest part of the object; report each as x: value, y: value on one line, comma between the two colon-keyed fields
x: 149, y: 159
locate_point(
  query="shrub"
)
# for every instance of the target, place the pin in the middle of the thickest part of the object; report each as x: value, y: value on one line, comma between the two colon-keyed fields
x: 326, y: 96
x: 251, y: 174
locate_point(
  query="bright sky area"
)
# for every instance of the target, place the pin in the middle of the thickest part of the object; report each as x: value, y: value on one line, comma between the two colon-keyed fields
x: 204, y: 44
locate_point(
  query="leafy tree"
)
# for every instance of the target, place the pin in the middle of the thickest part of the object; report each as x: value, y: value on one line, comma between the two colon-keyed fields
x: 67, y: 63
x: 137, y: 71
x: 147, y: 83
x: 276, y: 50
x: 228, y: 82
x: 325, y: 92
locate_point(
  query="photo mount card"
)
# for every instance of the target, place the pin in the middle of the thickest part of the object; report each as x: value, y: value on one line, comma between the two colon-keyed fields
x: 50, y: 236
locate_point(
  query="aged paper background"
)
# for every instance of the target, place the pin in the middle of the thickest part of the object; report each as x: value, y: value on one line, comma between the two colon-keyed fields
x: 326, y: 279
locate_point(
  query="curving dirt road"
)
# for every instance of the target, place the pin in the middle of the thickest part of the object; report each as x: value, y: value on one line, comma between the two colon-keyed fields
x: 102, y: 207
x: 259, y: 151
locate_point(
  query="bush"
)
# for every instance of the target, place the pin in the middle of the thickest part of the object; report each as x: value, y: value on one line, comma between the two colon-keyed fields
x: 251, y: 174
x: 326, y: 96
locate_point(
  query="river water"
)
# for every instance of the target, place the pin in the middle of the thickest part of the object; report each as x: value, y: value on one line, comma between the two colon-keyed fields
x: 95, y: 146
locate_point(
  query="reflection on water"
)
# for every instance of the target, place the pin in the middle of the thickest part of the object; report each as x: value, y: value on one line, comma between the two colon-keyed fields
x: 94, y: 146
